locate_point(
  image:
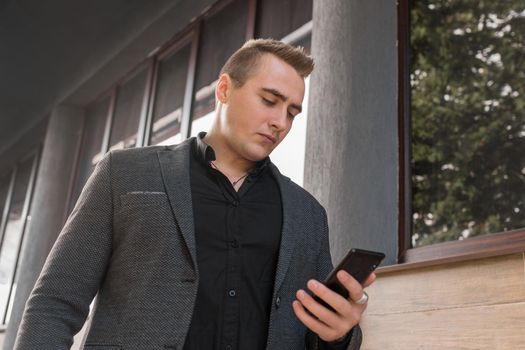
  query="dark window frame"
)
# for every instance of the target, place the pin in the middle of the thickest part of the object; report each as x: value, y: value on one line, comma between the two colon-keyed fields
x: 492, y: 244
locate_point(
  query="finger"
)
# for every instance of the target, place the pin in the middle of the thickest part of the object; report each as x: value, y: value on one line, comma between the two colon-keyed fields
x: 325, y: 315
x: 369, y: 280
x: 335, y: 300
x: 353, y: 287
x: 316, y: 326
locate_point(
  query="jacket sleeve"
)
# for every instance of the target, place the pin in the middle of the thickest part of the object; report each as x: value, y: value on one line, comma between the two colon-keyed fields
x: 59, y: 303
x: 324, y: 266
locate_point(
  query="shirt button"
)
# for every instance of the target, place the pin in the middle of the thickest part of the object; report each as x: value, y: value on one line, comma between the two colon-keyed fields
x: 277, y: 302
x: 234, y: 243
x: 235, y: 203
x: 229, y: 347
x: 232, y: 292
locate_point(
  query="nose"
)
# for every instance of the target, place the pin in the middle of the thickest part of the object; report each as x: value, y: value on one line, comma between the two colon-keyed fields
x: 279, y: 119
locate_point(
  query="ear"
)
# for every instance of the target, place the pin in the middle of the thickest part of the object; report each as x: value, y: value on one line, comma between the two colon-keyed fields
x: 223, y: 88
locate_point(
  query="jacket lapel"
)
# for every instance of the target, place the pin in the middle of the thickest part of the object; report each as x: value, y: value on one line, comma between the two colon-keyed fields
x: 175, y: 168
x: 290, y: 225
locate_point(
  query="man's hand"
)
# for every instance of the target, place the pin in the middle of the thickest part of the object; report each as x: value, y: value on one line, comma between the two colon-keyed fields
x: 330, y: 325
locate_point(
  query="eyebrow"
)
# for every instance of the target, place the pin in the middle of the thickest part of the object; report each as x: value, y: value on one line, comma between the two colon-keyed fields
x: 279, y: 95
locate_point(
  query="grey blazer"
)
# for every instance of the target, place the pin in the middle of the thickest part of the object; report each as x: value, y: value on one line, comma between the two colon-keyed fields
x: 130, y: 238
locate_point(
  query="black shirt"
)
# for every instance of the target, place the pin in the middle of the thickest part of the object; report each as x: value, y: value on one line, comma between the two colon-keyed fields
x: 237, y: 241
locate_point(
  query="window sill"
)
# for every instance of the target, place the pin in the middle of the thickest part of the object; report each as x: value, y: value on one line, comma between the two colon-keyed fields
x: 450, y: 252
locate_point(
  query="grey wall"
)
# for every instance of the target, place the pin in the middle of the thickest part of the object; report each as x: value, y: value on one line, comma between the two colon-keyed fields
x: 351, y: 153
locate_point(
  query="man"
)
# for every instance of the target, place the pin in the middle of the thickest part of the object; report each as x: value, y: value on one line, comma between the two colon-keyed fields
x: 203, y: 245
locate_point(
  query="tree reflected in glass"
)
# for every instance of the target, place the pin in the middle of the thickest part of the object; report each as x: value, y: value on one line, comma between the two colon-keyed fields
x: 468, y: 118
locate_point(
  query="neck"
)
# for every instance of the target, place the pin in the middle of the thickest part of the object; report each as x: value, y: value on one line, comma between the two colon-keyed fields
x: 227, y: 160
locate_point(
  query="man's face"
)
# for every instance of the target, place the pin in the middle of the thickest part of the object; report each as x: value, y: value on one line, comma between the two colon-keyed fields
x: 258, y: 115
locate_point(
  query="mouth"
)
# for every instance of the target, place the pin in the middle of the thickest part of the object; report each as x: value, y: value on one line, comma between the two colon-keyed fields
x: 270, y: 138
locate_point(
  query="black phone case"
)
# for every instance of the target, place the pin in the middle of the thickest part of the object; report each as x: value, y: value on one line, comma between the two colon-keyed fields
x: 359, y: 263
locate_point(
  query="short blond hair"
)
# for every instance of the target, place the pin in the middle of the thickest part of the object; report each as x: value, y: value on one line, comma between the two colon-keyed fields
x: 242, y: 64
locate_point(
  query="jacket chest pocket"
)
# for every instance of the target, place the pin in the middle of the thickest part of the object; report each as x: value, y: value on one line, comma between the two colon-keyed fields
x: 139, y: 199
x: 143, y: 204
x: 144, y: 211
x: 102, y: 347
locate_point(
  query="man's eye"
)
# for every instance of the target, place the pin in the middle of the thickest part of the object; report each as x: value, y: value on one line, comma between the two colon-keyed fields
x: 290, y: 115
x: 268, y: 102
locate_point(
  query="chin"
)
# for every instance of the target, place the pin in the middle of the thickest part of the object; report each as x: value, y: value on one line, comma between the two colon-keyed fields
x: 256, y: 153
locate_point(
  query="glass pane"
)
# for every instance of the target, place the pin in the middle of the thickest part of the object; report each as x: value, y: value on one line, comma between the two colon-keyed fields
x: 91, y: 149
x: 13, y: 232
x: 169, y: 97
x: 468, y: 118
x: 127, y: 112
x: 278, y: 18
x: 203, y: 123
x: 222, y: 34
x: 4, y: 188
x: 306, y: 43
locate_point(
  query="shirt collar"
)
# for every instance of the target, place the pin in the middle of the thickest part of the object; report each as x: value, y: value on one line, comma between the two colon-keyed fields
x: 203, y: 151
x: 205, y: 154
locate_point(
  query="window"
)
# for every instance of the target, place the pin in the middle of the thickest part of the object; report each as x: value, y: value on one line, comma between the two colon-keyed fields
x: 128, y: 107
x: 4, y: 191
x: 17, y: 208
x: 278, y: 18
x: 467, y: 83
x: 221, y: 35
x: 169, y: 96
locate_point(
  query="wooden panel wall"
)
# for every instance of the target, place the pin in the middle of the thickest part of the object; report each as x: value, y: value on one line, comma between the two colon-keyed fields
x: 478, y: 304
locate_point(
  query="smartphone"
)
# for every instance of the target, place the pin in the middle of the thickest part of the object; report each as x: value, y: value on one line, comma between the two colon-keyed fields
x: 359, y: 263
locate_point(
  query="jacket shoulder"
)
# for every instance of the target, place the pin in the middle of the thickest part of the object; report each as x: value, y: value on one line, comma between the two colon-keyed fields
x: 146, y: 152
x: 304, y: 197
x: 136, y: 152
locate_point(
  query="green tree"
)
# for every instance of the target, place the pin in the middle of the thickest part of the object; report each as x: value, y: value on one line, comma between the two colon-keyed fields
x: 468, y: 118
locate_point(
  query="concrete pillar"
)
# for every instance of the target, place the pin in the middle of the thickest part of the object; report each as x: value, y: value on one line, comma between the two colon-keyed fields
x: 351, y: 163
x: 49, y: 204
